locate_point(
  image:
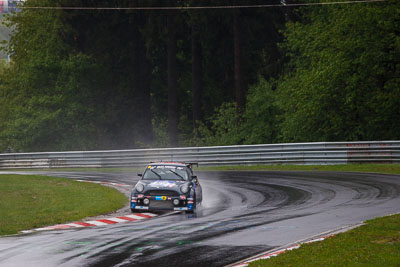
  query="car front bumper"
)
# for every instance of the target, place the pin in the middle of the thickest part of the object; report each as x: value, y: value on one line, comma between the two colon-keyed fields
x: 162, y: 203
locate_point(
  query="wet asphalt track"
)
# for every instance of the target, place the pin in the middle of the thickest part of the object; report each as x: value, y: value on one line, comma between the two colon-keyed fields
x: 243, y: 213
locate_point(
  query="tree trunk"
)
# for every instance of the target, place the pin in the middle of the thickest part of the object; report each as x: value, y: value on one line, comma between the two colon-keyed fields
x: 144, y: 132
x: 172, y: 82
x: 238, y: 84
x: 196, y: 78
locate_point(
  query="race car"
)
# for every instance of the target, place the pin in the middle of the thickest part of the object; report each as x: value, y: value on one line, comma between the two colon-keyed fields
x: 167, y: 186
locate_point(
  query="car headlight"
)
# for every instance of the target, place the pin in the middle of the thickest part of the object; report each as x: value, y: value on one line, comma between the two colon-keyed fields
x: 139, y: 188
x: 184, y: 189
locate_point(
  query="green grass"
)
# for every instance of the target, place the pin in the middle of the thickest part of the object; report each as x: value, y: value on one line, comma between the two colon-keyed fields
x: 375, y: 244
x: 377, y: 168
x: 30, y: 201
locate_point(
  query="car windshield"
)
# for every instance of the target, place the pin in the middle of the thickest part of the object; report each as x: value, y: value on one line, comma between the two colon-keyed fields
x: 165, y: 172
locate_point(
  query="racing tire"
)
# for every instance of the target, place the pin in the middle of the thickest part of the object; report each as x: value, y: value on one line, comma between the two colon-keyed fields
x: 194, y: 207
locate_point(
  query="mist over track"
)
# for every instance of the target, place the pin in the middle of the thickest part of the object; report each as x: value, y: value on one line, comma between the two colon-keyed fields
x: 243, y: 213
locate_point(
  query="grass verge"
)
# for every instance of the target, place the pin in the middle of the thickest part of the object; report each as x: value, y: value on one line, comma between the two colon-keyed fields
x: 31, y: 201
x: 376, y: 168
x: 375, y: 244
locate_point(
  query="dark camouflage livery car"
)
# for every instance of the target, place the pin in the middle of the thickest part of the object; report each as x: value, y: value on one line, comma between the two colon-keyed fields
x: 167, y: 186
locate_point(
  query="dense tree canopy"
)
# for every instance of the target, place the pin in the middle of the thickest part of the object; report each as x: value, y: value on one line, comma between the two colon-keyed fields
x: 85, y: 79
x: 343, y: 80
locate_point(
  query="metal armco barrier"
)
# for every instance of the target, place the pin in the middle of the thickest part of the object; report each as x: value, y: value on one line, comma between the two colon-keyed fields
x: 321, y: 153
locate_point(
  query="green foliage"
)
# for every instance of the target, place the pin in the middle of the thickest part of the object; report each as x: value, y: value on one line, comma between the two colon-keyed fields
x: 343, y: 80
x: 225, y: 126
x: 53, y: 118
x: 160, y: 132
x: 28, y: 83
x: 260, y: 121
x: 82, y: 79
x: 222, y: 128
x: 62, y: 92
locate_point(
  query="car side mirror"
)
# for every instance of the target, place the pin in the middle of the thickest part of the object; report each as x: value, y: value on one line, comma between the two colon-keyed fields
x: 139, y: 174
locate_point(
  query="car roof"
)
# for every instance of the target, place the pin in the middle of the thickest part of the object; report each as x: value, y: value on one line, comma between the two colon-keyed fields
x: 180, y: 164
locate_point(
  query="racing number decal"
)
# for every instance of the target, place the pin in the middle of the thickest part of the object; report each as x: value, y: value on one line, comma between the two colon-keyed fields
x: 163, y: 198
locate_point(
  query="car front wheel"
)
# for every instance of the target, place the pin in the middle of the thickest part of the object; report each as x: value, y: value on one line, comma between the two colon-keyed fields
x: 194, y: 207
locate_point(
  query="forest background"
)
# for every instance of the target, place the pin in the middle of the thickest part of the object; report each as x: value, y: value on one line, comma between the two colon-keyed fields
x: 95, y: 78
